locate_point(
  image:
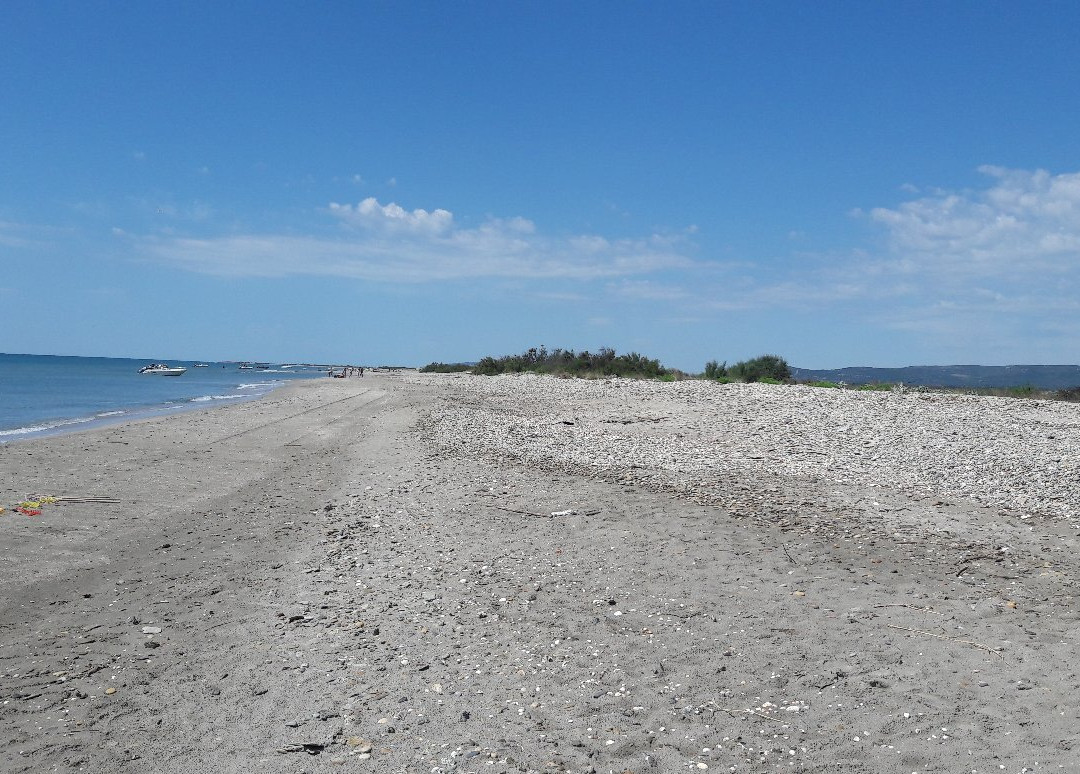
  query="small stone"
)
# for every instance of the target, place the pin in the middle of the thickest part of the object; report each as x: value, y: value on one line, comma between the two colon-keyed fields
x: 151, y: 630
x: 110, y: 691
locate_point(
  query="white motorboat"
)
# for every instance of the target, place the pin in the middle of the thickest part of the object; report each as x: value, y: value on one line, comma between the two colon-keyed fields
x: 161, y: 369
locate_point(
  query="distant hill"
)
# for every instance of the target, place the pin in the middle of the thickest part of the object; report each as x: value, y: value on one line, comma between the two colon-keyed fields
x: 1042, y: 377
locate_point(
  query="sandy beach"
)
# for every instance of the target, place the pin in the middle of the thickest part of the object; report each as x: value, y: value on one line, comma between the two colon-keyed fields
x: 413, y: 573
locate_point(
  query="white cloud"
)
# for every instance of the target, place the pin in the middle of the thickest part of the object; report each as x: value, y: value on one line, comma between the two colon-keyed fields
x: 1026, y: 221
x: 986, y: 265
x: 646, y: 290
x: 392, y: 217
x: 390, y: 243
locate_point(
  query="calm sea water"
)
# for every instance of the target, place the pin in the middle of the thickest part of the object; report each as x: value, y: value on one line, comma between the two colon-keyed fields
x: 48, y: 394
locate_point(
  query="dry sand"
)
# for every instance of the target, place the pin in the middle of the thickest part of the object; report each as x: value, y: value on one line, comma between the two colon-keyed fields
x: 322, y: 581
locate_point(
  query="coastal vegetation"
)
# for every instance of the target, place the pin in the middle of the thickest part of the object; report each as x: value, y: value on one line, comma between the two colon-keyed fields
x: 567, y: 362
x: 764, y: 369
x: 446, y: 368
x: 769, y: 369
x: 1071, y: 394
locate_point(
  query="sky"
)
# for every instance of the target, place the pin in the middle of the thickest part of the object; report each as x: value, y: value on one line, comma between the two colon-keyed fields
x: 839, y: 183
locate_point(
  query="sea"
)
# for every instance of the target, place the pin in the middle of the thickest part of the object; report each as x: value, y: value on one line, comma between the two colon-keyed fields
x: 43, y: 395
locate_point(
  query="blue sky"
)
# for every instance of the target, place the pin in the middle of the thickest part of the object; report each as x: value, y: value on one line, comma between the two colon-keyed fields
x: 858, y: 183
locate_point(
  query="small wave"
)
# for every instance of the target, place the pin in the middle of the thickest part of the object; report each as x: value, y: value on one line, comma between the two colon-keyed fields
x: 48, y: 426
x: 110, y: 414
x: 256, y: 385
x: 205, y: 398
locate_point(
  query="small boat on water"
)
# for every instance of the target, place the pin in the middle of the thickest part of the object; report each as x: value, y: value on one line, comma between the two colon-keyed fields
x: 162, y: 369
x: 202, y: 365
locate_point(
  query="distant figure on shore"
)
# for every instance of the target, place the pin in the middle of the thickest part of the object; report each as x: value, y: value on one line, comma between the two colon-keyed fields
x: 361, y: 370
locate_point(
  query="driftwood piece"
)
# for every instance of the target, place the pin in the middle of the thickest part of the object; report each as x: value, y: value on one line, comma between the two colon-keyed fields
x: 978, y: 645
x: 523, y: 513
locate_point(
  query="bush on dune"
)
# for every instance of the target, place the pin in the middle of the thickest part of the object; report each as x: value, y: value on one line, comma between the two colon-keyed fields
x: 445, y: 368
x: 771, y: 369
x: 604, y: 362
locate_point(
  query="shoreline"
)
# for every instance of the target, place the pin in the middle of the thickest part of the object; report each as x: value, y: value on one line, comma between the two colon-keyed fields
x: 423, y: 573
x: 51, y: 427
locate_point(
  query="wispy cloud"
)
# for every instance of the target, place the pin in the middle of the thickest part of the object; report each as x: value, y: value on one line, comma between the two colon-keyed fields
x: 1026, y: 221
x: 1013, y: 247
x: 13, y: 235
x: 196, y: 211
x: 647, y: 290
x: 952, y: 262
x: 390, y: 243
x: 987, y: 268
x: 28, y: 235
x: 1002, y: 261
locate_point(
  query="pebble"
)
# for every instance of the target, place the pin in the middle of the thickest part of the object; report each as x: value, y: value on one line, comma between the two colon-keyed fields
x: 998, y: 452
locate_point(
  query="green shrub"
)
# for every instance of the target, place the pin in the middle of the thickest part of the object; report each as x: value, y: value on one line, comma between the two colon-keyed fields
x: 487, y: 366
x: 445, y: 368
x: 833, y: 385
x: 760, y: 368
x: 604, y: 362
x: 1071, y: 394
x: 714, y: 370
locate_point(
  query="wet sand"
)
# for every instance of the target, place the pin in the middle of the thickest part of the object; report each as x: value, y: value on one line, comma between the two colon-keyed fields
x: 317, y: 582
